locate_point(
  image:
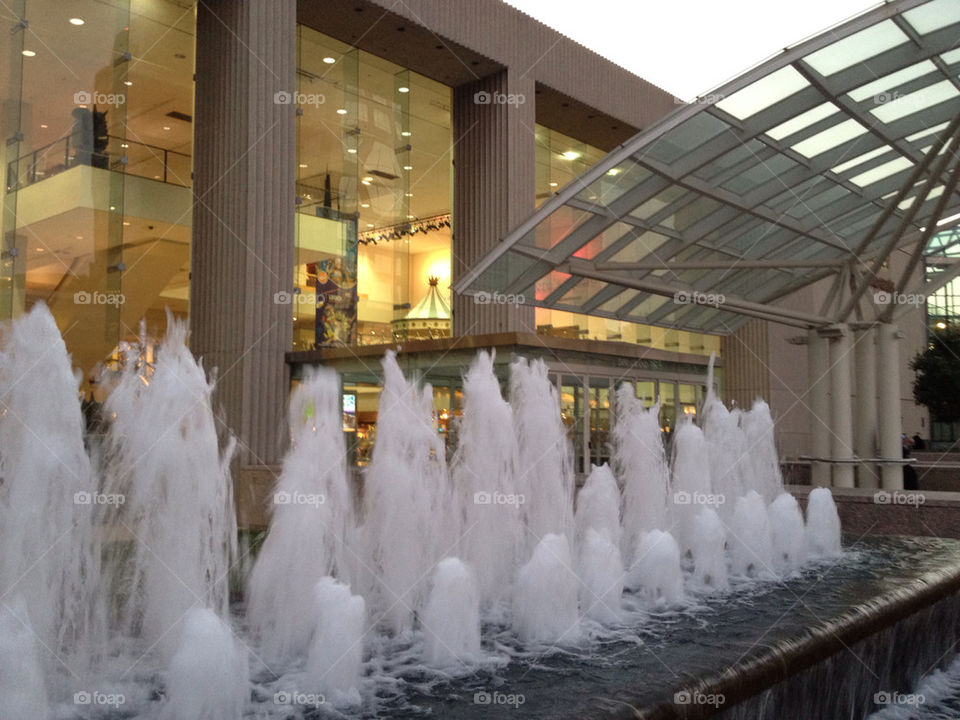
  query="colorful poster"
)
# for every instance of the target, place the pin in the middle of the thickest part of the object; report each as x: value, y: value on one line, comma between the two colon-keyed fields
x: 336, y: 321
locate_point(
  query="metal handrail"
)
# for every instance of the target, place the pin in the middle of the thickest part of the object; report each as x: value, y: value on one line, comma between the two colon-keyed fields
x: 16, y: 182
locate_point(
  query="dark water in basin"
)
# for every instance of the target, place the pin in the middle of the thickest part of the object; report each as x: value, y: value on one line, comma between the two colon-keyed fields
x: 642, y: 664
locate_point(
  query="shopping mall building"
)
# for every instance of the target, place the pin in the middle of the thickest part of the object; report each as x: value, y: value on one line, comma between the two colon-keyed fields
x: 312, y: 182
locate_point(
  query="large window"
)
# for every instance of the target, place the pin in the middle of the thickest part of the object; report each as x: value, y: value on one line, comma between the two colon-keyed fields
x: 97, y: 129
x: 560, y: 159
x: 374, y: 185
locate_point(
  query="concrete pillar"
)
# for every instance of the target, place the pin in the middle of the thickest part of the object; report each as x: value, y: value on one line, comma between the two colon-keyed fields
x: 243, y: 216
x: 888, y: 405
x: 494, y: 170
x: 841, y: 407
x: 818, y: 369
x: 865, y: 410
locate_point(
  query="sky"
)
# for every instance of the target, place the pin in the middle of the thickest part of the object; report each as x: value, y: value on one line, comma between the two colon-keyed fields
x: 688, y: 47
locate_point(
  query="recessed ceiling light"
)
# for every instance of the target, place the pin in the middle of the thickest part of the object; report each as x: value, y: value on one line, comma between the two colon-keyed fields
x: 570, y: 155
x: 942, y: 325
x: 408, y: 167
x: 128, y: 83
x: 352, y: 151
x: 166, y: 127
x: 76, y: 21
x: 39, y: 249
x: 410, y: 217
x: 28, y: 53
x: 367, y: 180
x: 405, y: 133
x: 329, y: 60
x: 613, y: 171
x: 123, y: 145
x: 403, y: 89
x: 369, y: 224
x: 409, y: 194
x: 126, y: 223
x: 341, y: 111
x: 303, y: 165
x: 553, y: 184
x: 43, y: 125
x: 79, y: 237
x: 364, y: 205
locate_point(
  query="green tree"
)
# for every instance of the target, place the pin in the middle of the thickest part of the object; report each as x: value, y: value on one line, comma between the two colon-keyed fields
x: 937, y: 369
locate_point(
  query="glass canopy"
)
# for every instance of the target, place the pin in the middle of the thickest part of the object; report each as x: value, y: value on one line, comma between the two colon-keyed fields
x: 770, y: 183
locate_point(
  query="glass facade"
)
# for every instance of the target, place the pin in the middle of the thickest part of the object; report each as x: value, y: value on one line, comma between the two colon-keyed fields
x: 97, y: 130
x: 374, y: 185
x: 97, y: 125
x: 560, y: 159
x: 943, y: 307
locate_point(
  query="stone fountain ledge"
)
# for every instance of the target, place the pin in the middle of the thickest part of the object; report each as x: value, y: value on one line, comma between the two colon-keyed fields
x: 866, y: 511
x: 836, y: 667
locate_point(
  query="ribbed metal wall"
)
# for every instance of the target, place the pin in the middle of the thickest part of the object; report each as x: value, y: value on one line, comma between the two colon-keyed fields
x: 746, y: 363
x: 243, y: 221
x: 494, y: 160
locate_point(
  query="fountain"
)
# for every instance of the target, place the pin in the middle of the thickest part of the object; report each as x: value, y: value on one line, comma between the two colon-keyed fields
x: 336, y: 655
x: 387, y: 601
x: 451, y: 619
x: 310, y: 508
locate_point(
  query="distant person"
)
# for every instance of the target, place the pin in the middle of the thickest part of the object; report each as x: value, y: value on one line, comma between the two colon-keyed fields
x: 910, y: 481
x: 81, y: 139
x: 918, y: 442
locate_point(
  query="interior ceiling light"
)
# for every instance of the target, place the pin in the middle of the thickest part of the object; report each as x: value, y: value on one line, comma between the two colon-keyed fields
x: 405, y: 133
x: 403, y: 89
x: 28, y: 53
x: 329, y: 60
x: 613, y: 171
x: 352, y: 151
x: 570, y: 155
x: 128, y: 83
x: 76, y: 21
x: 408, y: 167
x: 341, y: 111
x: 553, y: 184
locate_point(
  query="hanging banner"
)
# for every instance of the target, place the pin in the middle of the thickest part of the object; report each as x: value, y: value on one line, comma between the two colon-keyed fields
x: 336, y: 284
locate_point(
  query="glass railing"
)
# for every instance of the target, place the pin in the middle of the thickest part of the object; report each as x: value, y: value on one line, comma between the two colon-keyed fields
x: 119, y: 155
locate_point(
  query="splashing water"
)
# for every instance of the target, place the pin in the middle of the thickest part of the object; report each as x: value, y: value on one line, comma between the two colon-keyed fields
x: 787, y: 531
x: 311, y: 509
x: 163, y: 459
x: 640, y: 463
x: 750, y: 538
x: 23, y: 688
x: 485, y: 471
x: 333, y: 666
x: 545, y: 599
x: 49, y: 497
x: 691, y: 481
x: 656, y: 574
x: 544, y: 459
x: 823, y: 524
x: 600, y: 570
x: 707, y: 551
x: 346, y: 605
x: 598, y: 505
x: 407, y: 519
x: 760, y: 453
x: 209, y: 676
x: 451, y: 619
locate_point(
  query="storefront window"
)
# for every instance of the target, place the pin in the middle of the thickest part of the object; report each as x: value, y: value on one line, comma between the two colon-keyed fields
x: 97, y: 128
x: 374, y: 192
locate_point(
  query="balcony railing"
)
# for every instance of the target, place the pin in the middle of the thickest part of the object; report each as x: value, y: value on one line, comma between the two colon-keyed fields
x: 120, y: 155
